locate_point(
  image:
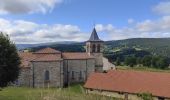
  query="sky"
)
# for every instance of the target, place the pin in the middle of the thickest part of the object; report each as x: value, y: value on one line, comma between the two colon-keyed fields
x: 41, y: 21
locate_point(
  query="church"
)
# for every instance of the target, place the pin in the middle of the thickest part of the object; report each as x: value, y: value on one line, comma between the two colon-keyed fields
x: 52, y: 68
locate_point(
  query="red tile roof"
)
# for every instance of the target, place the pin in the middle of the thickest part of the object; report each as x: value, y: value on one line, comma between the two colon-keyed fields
x: 26, y: 57
x: 49, y: 54
x: 47, y: 51
x: 157, y: 83
x: 76, y: 55
x: 48, y: 57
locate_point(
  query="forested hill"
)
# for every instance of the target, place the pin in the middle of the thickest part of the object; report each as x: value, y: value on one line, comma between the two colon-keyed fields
x: 156, y: 46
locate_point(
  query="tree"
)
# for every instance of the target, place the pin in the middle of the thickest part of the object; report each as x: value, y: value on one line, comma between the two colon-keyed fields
x: 147, y: 61
x: 130, y: 61
x: 118, y: 61
x: 9, y: 61
x: 154, y: 61
x: 162, y: 63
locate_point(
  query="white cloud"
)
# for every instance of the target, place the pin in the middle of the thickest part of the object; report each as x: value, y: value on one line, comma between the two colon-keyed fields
x: 22, y: 31
x: 27, y: 6
x: 162, y: 8
x: 146, y: 29
x: 29, y: 32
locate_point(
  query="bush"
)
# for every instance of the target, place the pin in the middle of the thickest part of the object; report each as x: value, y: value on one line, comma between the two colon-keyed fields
x: 145, y: 96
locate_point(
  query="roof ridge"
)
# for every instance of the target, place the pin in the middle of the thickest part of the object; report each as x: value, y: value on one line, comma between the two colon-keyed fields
x: 47, y: 50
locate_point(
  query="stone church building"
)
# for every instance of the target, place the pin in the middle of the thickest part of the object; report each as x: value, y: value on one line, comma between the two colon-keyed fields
x: 49, y: 67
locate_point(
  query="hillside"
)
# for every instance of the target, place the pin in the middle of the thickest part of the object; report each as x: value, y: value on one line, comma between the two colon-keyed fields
x: 156, y: 46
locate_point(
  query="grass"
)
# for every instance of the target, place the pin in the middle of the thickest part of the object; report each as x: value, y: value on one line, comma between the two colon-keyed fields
x: 74, y: 92
x: 141, y: 68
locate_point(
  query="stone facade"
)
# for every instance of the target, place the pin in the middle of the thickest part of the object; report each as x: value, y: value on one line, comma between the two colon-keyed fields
x: 55, y: 74
x: 107, y: 65
x: 25, y: 77
x: 61, y: 73
x: 77, y: 71
x: 95, y: 49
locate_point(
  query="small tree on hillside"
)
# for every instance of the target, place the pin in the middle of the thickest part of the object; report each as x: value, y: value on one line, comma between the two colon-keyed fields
x: 130, y: 61
x: 147, y: 61
x: 162, y: 63
x: 118, y: 61
x: 9, y: 61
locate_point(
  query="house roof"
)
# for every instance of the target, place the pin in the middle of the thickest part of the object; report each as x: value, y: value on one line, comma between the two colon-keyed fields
x: 94, y: 37
x: 47, y: 51
x: 76, y: 55
x: 157, y: 83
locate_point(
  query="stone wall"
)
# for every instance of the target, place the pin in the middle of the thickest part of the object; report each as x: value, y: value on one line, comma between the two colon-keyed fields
x: 118, y: 94
x: 61, y: 73
x: 98, y: 61
x: 78, y: 70
x: 24, y: 78
x: 55, y: 74
x: 107, y: 65
x: 98, y: 55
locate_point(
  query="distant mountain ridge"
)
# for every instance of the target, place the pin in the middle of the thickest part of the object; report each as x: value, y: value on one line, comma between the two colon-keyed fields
x: 23, y: 46
x: 156, y: 46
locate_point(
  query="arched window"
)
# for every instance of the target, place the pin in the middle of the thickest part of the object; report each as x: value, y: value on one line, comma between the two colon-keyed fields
x: 94, y: 48
x: 98, y: 48
x: 47, y: 75
x: 72, y: 75
x: 88, y: 48
x: 80, y: 77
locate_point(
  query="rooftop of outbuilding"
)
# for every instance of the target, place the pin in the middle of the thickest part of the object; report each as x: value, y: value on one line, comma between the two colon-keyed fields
x: 157, y: 83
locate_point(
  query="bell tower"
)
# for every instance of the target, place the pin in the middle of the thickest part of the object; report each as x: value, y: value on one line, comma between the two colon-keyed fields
x: 94, y: 47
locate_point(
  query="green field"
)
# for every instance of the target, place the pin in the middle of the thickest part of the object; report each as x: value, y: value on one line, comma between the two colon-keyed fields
x: 74, y: 92
x: 141, y: 68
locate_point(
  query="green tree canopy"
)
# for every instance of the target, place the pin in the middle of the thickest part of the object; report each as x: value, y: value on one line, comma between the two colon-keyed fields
x: 9, y: 61
x: 130, y: 61
x: 118, y: 61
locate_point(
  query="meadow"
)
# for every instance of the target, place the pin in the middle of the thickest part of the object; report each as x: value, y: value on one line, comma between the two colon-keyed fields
x: 74, y: 92
x: 142, y: 68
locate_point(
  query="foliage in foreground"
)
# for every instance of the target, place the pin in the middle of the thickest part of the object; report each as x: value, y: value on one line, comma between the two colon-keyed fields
x: 9, y: 61
x: 145, y: 96
x: 75, y: 92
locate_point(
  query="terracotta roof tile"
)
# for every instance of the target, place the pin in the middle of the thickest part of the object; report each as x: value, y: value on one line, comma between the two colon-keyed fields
x: 48, y: 57
x: 49, y: 54
x: 26, y: 57
x: 156, y: 83
x: 47, y: 51
x: 76, y: 55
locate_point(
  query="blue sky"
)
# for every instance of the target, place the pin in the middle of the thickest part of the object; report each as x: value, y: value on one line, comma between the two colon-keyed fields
x: 37, y: 21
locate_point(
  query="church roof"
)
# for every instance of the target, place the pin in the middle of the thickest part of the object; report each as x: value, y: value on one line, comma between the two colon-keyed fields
x: 26, y: 57
x: 48, y: 57
x: 133, y: 82
x: 76, y: 55
x: 94, y: 36
x: 47, y: 51
x: 49, y: 54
